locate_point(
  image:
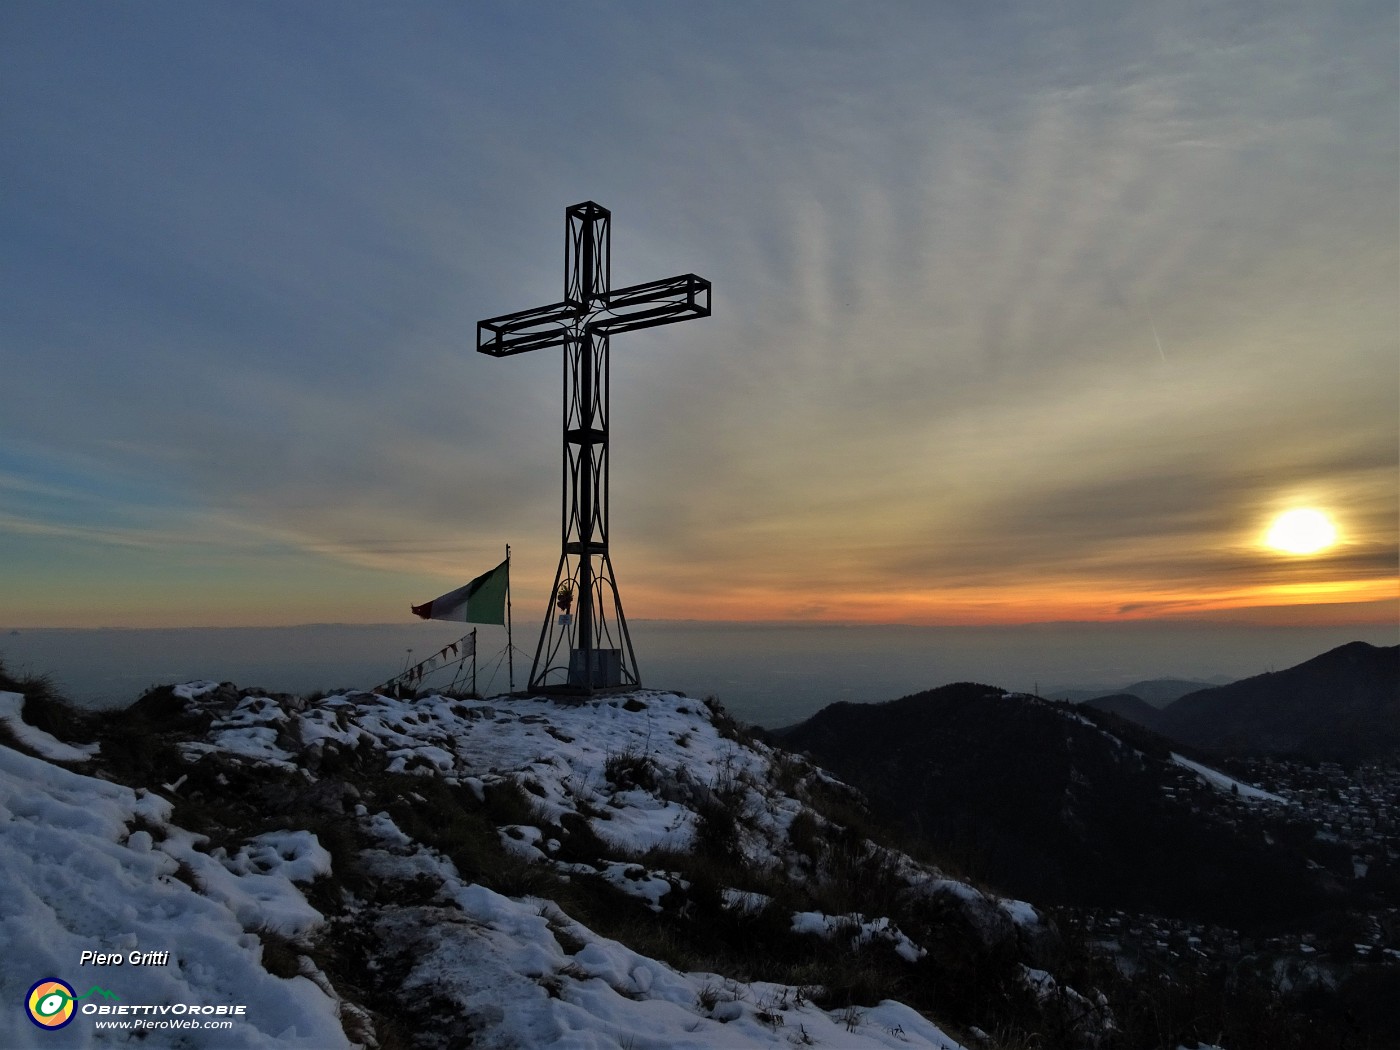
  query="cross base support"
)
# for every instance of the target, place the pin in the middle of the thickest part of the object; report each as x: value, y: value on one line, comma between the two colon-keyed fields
x: 584, y: 645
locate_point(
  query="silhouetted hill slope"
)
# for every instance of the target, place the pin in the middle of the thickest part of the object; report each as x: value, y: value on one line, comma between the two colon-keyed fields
x: 1047, y: 802
x: 1129, y: 706
x: 1343, y: 705
x: 1155, y: 692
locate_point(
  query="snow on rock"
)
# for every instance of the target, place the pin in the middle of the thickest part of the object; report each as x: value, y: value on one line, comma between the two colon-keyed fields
x: 561, y: 752
x: 255, y: 883
x: 522, y: 974
x: 637, y: 881
x: 1044, y: 986
x: 858, y: 930
x: 41, y: 743
x: 1020, y: 912
x: 77, y: 874
x: 251, y: 730
x: 295, y: 854
x: 194, y: 690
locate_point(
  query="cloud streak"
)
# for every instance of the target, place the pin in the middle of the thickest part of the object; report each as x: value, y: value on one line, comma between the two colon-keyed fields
x: 1072, y: 299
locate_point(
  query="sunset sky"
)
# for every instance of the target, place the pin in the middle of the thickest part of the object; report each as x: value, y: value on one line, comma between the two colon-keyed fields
x: 1021, y: 312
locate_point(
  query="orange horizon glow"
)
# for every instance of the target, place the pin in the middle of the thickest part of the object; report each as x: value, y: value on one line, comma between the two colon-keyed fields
x: 648, y: 594
x: 1322, y: 603
x: 1363, y: 603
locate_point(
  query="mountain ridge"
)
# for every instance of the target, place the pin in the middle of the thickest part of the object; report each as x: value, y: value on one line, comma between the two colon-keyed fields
x: 1129, y: 706
x: 1056, y: 804
x: 1156, y: 692
x: 1342, y: 705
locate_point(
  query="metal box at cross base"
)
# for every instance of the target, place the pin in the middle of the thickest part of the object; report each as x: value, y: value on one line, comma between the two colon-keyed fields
x: 605, y: 671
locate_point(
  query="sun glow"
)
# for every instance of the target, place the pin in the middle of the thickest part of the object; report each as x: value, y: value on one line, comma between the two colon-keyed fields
x: 1301, y: 531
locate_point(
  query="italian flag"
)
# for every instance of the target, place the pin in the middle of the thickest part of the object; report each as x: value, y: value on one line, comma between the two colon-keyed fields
x: 481, y: 601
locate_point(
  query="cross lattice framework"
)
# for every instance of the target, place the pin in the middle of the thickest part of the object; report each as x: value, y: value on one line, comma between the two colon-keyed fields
x: 590, y: 650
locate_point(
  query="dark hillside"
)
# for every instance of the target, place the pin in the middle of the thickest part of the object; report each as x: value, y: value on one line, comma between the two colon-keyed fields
x: 1341, y: 706
x: 1048, y: 803
x: 1129, y: 706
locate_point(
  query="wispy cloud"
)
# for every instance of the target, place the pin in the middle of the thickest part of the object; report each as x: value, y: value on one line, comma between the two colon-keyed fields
x: 1072, y: 295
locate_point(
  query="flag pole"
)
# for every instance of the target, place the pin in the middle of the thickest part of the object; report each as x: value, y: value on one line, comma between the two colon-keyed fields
x: 510, y: 642
x: 474, y: 692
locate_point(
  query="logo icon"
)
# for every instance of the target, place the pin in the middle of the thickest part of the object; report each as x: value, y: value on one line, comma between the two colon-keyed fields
x: 50, y: 1003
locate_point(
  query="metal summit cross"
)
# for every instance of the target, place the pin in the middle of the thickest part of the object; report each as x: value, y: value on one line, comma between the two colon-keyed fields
x: 590, y: 650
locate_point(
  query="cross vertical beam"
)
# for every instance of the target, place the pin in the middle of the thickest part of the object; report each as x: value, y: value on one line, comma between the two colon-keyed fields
x: 590, y: 649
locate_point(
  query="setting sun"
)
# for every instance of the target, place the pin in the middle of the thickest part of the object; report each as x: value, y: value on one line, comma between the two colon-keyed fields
x: 1301, y: 531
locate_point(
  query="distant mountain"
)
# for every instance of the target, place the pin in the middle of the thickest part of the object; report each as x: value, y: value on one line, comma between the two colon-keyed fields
x: 1129, y: 706
x: 1343, y: 705
x: 1061, y: 804
x: 1156, y: 692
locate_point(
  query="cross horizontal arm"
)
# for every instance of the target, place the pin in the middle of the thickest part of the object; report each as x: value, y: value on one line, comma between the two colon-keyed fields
x: 653, y: 303
x: 525, y: 330
x: 627, y: 310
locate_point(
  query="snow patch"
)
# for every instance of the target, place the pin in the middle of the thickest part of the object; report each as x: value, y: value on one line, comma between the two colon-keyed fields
x: 38, y: 741
x: 859, y: 930
x: 75, y: 876
x: 1221, y: 782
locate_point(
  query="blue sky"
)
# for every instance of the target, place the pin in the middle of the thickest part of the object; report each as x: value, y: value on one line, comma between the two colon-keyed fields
x: 1021, y: 312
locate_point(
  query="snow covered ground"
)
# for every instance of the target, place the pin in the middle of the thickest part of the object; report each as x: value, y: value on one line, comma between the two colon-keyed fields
x: 87, y: 865
x: 1223, y: 782
x: 80, y: 870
